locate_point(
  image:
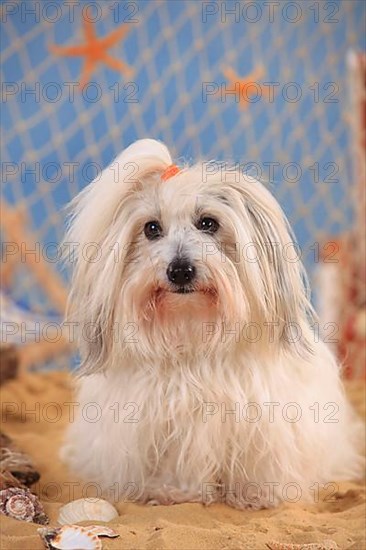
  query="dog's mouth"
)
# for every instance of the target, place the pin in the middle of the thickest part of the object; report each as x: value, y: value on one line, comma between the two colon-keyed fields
x: 178, y: 301
x: 183, y: 290
x: 202, y: 291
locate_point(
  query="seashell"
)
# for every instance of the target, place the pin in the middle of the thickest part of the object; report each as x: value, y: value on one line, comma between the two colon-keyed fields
x: 102, y: 531
x: 20, y: 503
x: 325, y: 545
x: 85, y: 509
x: 70, y: 537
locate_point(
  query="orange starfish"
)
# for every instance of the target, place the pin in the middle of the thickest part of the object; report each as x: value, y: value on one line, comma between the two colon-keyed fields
x: 248, y: 86
x: 94, y: 50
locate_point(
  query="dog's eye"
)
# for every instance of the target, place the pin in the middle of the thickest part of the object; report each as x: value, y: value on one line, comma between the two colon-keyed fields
x: 152, y: 230
x: 208, y: 225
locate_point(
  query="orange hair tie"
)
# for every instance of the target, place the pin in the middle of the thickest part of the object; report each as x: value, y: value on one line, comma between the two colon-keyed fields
x: 169, y: 172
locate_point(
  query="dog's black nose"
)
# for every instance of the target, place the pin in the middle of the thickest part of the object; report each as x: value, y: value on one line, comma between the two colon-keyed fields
x: 181, y: 272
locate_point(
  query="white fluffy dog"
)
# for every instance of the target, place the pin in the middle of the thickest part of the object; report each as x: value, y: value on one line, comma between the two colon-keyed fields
x: 202, y: 379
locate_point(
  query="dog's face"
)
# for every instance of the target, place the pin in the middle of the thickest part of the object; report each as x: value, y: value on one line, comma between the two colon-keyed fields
x: 203, y: 248
x: 178, y: 266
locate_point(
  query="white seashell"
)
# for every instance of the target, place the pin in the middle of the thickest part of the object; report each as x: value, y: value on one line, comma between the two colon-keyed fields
x: 70, y: 537
x: 86, y: 509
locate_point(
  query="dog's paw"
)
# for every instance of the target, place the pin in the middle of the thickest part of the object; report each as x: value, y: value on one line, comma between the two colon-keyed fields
x: 153, y: 502
x: 248, y: 504
x: 167, y: 495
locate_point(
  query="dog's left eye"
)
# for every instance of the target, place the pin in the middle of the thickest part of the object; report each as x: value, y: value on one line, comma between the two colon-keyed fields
x: 208, y: 225
x: 152, y: 230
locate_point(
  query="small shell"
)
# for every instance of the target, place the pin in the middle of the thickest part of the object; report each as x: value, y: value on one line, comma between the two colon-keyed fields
x: 20, y: 503
x: 86, y: 509
x: 70, y: 537
x: 102, y: 531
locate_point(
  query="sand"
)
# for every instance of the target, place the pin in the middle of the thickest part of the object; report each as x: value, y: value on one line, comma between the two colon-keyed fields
x: 187, y: 526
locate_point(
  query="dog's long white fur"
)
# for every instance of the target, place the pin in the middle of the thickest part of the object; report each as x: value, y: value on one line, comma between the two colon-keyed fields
x: 165, y: 370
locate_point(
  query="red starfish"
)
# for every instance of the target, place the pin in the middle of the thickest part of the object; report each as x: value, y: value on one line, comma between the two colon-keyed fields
x: 94, y: 50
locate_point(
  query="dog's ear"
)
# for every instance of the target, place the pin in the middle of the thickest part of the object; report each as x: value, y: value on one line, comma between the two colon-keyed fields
x: 94, y: 346
x: 93, y: 209
x: 278, y: 277
x: 283, y: 282
x: 100, y: 240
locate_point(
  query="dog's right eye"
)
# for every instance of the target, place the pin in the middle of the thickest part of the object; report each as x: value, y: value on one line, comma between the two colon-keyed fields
x: 152, y: 230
